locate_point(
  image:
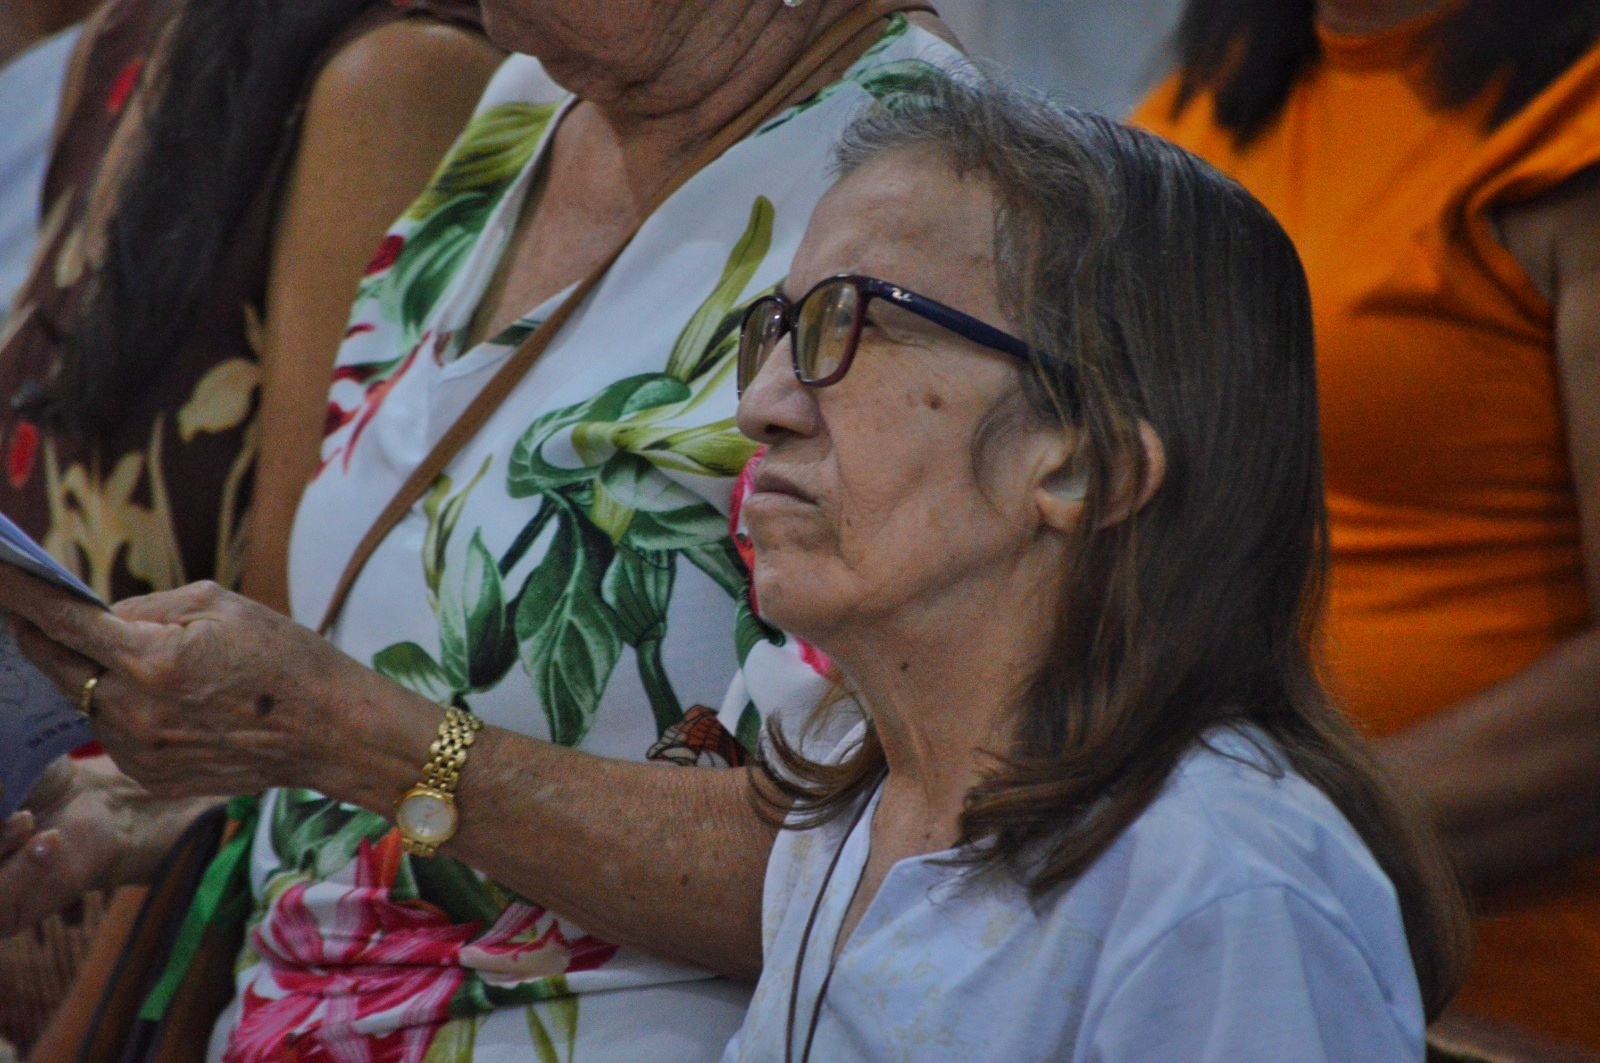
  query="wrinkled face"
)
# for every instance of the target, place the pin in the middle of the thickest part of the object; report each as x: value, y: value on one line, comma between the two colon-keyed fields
x: 905, y: 487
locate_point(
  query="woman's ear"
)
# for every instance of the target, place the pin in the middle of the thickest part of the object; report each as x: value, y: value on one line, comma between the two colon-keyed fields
x: 1130, y: 501
x: 1064, y: 485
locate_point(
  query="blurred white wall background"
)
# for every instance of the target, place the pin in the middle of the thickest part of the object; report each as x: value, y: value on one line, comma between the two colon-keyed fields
x: 1100, y: 54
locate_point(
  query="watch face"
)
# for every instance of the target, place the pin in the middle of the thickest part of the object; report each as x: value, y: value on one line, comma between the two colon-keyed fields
x: 426, y: 817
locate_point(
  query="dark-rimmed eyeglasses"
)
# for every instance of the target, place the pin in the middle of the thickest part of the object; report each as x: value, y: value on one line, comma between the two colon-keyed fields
x: 826, y: 322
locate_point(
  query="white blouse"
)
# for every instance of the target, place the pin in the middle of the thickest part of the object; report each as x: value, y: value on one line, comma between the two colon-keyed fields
x: 1238, y: 919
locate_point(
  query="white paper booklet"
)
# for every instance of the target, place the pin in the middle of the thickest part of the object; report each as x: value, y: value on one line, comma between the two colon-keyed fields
x: 37, y: 722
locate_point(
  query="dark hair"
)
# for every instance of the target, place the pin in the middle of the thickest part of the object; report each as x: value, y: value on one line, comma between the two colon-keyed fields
x: 1178, y: 302
x: 1249, y: 53
x: 218, y: 102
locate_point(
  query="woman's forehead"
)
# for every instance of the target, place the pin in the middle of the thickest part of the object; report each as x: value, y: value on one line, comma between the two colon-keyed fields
x: 910, y: 220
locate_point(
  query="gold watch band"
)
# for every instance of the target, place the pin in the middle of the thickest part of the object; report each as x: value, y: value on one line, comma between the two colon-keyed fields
x: 449, y: 751
x: 440, y: 775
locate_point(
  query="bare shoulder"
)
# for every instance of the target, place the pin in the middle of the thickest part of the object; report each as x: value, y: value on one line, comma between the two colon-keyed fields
x: 400, y: 67
x: 1553, y: 235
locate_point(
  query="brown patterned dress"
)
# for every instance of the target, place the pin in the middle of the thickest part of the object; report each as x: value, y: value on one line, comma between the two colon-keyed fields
x: 163, y: 498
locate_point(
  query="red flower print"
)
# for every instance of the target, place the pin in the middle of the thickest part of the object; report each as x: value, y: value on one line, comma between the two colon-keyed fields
x: 372, y: 401
x: 527, y: 943
x: 20, y: 455
x: 352, y: 975
x: 387, y: 253
x: 122, y: 87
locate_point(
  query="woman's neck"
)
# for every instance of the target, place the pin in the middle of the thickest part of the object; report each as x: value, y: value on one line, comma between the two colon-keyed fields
x: 714, y: 73
x: 941, y: 688
x: 1370, y: 16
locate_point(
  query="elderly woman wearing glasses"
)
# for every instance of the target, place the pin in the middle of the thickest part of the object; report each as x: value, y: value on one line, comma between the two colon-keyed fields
x: 1067, y: 564
x: 1042, y: 480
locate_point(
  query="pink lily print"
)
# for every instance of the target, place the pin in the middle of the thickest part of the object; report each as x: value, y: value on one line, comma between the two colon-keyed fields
x: 343, y: 973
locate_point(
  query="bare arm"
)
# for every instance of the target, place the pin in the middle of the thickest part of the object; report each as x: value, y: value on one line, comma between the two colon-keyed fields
x: 662, y: 858
x: 1513, y: 774
x: 380, y: 117
x: 207, y: 692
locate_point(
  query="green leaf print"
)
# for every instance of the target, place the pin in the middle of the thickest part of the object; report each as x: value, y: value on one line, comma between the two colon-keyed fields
x: 698, y: 337
x: 611, y: 519
x: 322, y: 836
x: 415, y: 669
x: 567, y: 635
x: 864, y: 72
x: 893, y: 79
x: 720, y: 561
x: 456, y: 889
x: 433, y: 254
x: 448, y: 219
x: 476, y: 642
x: 748, y: 731
x: 749, y: 630
x: 443, y: 510
x: 630, y: 494
x: 638, y: 588
x: 530, y: 472
x: 454, y: 1042
x: 487, y: 157
x: 553, y: 1023
x: 677, y: 529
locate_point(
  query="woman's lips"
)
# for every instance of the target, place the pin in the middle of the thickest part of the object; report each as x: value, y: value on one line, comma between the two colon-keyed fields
x: 775, y: 484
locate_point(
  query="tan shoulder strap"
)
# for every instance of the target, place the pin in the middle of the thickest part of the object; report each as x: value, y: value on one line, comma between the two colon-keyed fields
x: 817, y: 57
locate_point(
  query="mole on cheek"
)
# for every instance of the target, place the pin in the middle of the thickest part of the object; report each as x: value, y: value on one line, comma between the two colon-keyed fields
x: 933, y: 401
x: 265, y: 704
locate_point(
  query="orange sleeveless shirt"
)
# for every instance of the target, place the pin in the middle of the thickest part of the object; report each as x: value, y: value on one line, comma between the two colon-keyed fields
x: 1457, y: 558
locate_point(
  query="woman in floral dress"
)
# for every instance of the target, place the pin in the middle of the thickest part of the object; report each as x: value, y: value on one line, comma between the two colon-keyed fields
x: 569, y: 579
x: 221, y: 171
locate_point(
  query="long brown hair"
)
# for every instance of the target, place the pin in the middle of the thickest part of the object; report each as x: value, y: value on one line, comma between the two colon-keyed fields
x: 1169, y: 296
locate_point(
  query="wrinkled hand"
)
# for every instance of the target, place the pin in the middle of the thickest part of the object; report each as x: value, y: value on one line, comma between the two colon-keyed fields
x: 201, y: 691
x: 86, y: 826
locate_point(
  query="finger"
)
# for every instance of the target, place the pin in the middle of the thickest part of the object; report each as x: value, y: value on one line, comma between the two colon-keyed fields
x: 64, y: 667
x: 32, y: 884
x: 171, y: 607
x: 16, y: 829
x: 68, y: 619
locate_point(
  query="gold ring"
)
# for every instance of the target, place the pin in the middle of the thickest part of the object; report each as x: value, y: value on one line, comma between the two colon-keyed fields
x: 86, y: 696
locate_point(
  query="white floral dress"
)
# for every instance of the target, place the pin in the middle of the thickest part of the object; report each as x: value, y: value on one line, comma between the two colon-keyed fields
x: 572, y: 577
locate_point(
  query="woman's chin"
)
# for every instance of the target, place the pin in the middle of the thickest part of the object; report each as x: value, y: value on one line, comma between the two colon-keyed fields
x: 794, y: 603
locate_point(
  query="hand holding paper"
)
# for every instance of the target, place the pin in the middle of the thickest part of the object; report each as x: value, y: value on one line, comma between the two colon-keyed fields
x: 37, y: 722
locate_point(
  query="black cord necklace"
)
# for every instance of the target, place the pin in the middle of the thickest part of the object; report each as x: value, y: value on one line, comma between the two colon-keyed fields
x: 805, y: 947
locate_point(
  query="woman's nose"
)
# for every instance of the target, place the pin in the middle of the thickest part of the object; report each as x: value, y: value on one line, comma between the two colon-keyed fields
x: 776, y: 404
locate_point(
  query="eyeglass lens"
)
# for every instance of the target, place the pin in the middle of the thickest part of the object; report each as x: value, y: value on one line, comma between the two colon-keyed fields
x: 827, y: 320
x: 762, y: 330
x: 825, y: 323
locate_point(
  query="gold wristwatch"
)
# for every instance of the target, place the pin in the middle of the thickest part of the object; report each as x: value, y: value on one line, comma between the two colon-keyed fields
x: 427, y: 815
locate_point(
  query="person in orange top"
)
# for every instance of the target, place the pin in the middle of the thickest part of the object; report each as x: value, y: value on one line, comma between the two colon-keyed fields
x: 1435, y: 162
